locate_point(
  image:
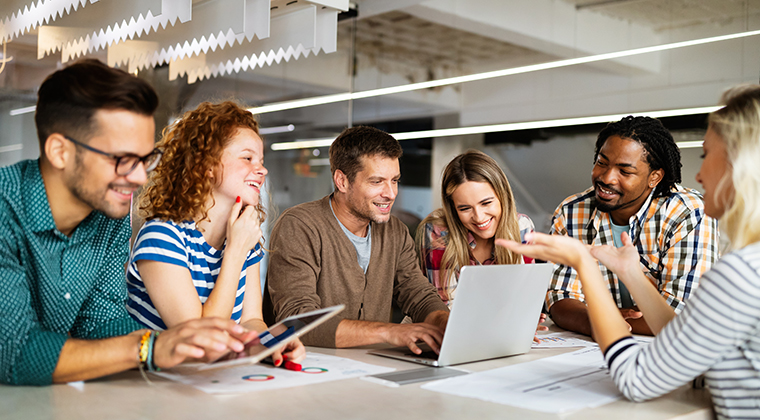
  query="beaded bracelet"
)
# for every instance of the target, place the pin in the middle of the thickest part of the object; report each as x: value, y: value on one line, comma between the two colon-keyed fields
x: 144, y: 354
x: 150, y: 362
x: 145, y: 347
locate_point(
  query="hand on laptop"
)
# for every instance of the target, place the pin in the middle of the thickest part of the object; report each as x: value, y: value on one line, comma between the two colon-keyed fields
x: 409, y: 334
x: 438, y: 318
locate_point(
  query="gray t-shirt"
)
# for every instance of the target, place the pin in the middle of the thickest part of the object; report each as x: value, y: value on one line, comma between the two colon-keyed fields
x: 363, y: 246
x: 625, y: 295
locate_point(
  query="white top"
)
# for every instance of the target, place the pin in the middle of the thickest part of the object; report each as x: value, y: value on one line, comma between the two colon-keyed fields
x: 717, y: 334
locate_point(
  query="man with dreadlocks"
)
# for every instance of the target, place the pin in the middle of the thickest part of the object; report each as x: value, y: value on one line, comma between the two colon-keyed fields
x: 637, y: 168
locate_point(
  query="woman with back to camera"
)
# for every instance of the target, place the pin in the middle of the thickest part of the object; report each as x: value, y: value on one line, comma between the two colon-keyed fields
x: 718, y: 333
x: 198, y: 253
x: 478, y: 206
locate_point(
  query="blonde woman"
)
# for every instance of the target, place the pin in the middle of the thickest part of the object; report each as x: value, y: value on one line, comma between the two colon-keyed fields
x: 718, y: 333
x: 478, y: 206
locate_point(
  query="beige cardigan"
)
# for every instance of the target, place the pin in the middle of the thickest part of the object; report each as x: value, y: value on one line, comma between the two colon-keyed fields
x: 314, y: 265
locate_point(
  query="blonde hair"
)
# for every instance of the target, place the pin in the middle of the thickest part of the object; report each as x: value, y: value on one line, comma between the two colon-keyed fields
x: 738, y: 124
x: 472, y: 165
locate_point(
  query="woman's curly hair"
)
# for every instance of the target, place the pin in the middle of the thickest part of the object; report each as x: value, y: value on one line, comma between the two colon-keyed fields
x: 179, y: 188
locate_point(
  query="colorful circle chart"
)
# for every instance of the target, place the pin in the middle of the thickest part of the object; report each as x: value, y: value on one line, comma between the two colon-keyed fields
x: 313, y: 370
x: 258, y: 377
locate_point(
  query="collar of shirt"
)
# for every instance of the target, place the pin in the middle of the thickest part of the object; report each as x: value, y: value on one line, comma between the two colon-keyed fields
x: 473, y: 261
x: 35, y: 202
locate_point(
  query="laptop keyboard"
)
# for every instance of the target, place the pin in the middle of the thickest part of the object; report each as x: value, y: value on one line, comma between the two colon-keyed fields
x: 427, y: 353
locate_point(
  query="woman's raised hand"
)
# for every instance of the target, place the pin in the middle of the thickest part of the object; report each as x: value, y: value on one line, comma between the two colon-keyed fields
x: 555, y: 248
x: 623, y: 261
x: 243, y: 227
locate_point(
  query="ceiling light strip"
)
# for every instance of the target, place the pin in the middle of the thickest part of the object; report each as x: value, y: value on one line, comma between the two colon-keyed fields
x: 689, y: 144
x: 328, y: 99
x: 274, y: 130
x: 11, y: 148
x: 530, y: 125
x: 25, y: 110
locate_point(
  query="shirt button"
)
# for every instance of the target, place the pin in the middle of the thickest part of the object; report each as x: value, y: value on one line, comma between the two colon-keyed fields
x: 67, y: 296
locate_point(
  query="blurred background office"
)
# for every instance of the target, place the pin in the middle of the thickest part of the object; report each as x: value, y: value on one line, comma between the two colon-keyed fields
x: 199, y: 50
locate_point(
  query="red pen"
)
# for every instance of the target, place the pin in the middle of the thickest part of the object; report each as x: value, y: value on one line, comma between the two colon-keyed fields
x: 292, y: 366
x: 287, y: 364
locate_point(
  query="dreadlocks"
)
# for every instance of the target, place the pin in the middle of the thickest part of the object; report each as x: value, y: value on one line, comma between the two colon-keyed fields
x: 659, y: 147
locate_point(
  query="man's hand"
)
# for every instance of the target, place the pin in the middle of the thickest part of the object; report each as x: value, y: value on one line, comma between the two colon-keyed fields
x: 409, y: 334
x: 206, y: 339
x: 630, y: 313
x: 438, y: 319
x: 541, y: 320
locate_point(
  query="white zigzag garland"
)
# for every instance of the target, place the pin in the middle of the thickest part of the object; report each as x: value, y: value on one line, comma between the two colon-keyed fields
x: 220, y: 62
x: 241, y: 64
x: 78, y: 40
x: 17, y: 22
x: 240, y: 21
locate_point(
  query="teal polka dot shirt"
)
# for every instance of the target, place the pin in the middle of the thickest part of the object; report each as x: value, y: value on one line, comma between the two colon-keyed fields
x: 53, y: 286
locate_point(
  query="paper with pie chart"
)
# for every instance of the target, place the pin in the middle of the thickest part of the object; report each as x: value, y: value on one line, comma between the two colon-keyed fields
x: 562, y: 339
x: 316, y: 368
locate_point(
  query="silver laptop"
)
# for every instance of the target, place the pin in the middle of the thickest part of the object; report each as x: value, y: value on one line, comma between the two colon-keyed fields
x: 495, y: 314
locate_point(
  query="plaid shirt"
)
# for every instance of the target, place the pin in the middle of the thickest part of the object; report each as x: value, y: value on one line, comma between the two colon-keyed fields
x: 434, y: 244
x: 677, y: 243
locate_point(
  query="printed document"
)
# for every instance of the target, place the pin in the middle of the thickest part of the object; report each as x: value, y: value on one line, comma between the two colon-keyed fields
x: 558, y: 384
x: 562, y: 339
x: 316, y: 368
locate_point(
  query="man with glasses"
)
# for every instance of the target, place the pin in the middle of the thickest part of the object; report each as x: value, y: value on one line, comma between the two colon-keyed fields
x: 64, y: 239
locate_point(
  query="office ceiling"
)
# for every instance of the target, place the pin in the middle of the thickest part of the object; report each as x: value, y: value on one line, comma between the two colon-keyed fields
x: 672, y: 14
x: 418, y: 49
x: 397, y: 42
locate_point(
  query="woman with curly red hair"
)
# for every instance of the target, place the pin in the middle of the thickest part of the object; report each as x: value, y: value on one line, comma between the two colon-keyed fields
x: 201, y: 244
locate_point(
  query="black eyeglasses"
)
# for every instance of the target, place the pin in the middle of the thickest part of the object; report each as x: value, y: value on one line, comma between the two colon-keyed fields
x: 126, y: 164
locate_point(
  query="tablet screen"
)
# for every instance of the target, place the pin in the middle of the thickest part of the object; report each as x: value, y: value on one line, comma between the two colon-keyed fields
x: 277, y: 336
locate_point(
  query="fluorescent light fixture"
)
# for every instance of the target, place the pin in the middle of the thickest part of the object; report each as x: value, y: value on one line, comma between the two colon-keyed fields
x: 689, y: 144
x: 25, y: 110
x: 328, y: 99
x: 319, y: 162
x: 11, y: 148
x: 280, y: 129
x: 462, y: 131
x: 304, y: 144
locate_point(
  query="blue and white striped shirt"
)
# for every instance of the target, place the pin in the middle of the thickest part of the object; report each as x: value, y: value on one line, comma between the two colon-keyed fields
x: 183, y: 245
x: 718, y: 333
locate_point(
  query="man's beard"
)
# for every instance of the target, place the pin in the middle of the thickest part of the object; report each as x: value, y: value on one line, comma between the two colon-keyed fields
x: 364, y: 212
x: 94, y: 199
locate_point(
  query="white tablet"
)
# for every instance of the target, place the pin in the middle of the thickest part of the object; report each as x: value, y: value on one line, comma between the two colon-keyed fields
x: 274, y: 338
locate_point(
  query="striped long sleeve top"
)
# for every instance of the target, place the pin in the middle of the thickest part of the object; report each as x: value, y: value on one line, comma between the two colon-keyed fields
x: 718, y: 333
x: 180, y: 244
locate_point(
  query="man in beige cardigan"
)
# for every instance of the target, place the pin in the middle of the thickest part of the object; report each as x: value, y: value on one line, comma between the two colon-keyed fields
x: 347, y: 249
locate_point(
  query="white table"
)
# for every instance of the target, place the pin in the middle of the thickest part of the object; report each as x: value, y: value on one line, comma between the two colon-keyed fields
x: 128, y: 396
